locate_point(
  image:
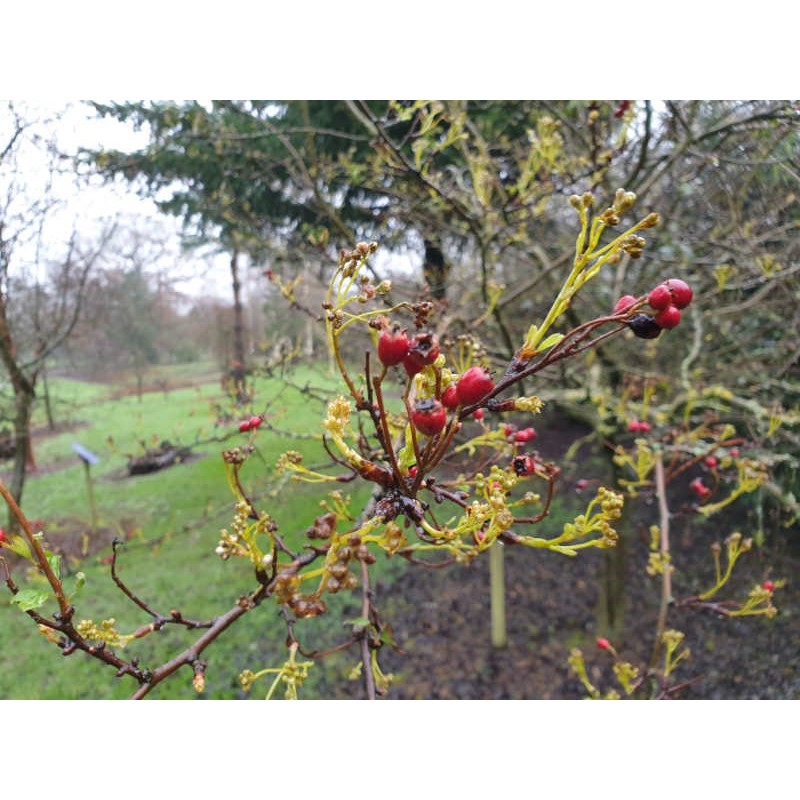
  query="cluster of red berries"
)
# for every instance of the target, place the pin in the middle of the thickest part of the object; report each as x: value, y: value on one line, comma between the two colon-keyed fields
x: 700, y: 489
x: 430, y: 415
x: 667, y: 299
x: 250, y: 424
x: 639, y: 426
x: 416, y: 353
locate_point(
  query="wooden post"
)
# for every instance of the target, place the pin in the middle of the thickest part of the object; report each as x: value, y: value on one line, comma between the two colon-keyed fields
x: 497, y: 595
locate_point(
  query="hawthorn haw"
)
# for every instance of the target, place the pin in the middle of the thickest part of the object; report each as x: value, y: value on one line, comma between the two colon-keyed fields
x: 603, y: 644
x: 681, y: 292
x: 429, y: 416
x: 711, y: 462
x: 244, y: 426
x: 474, y: 385
x: 660, y: 297
x: 255, y: 422
x: 644, y: 326
x: 423, y: 350
x: 392, y: 346
x: 668, y: 318
x: 624, y: 303
x: 478, y: 414
x: 699, y: 488
x: 525, y: 435
x: 450, y: 397
x: 3, y: 536
x: 768, y: 586
x: 638, y: 426
x: 581, y: 484
x: 524, y: 465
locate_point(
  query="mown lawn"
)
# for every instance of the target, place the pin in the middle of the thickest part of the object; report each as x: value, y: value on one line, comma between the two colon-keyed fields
x: 171, y: 520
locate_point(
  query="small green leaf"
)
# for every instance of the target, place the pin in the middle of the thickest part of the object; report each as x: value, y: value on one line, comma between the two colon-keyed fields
x: 552, y: 340
x: 19, y: 546
x: 29, y: 599
x: 54, y: 561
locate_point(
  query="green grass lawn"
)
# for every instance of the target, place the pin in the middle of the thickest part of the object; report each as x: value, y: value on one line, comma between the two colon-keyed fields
x: 173, y: 518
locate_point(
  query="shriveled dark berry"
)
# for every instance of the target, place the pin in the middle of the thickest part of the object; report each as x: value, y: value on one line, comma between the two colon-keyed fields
x: 644, y: 326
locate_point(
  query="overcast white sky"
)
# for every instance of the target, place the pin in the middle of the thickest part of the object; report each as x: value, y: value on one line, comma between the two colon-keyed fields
x: 88, y: 207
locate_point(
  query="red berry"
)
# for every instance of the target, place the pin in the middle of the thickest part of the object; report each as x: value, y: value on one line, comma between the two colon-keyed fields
x: 581, y: 484
x: 660, y: 297
x: 525, y: 435
x: 478, y: 414
x: 699, y: 488
x: 634, y: 426
x: 3, y: 537
x: 668, y: 318
x: 392, y: 346
x: 474, y: 385
x: 624, y: 303
x: 768, y: 585
x: 711, y: 462
x: 244, y: 425
x: 429, y: 417
x: 509, y: 429
x: 681, y: 292
x: 603, y: 644
x: 423, y: 349
x: 524, y: 465
x: 644, y: 427
x: 255, y: 422
x: 620, y: 110
x: 734, y: 451
x: 450, y: 397
x: 412, y: 471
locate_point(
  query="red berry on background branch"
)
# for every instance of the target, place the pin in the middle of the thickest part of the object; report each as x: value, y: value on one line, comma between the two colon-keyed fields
x: 244, y: 426
x: 768, y: 585
x: 255, y: 422
x: 699, y: 488
x: 620, y: 110
x: 474, y: 385
x: 392, y: 346
x: 478, y: 414
x: 634, y: 426
x: 711, y: 462
x: 3, y: 536
x: 429, y: 417
x: 668, y: 318
x: 581, y: 484
x: 603, y: 644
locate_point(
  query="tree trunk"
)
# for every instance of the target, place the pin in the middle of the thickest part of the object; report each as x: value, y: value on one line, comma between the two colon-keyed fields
x: 48, y: 407
x: 435, y: 269
x: 238, y: 368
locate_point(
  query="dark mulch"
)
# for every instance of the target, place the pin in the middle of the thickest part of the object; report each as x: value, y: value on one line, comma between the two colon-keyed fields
x: 441, y: 619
